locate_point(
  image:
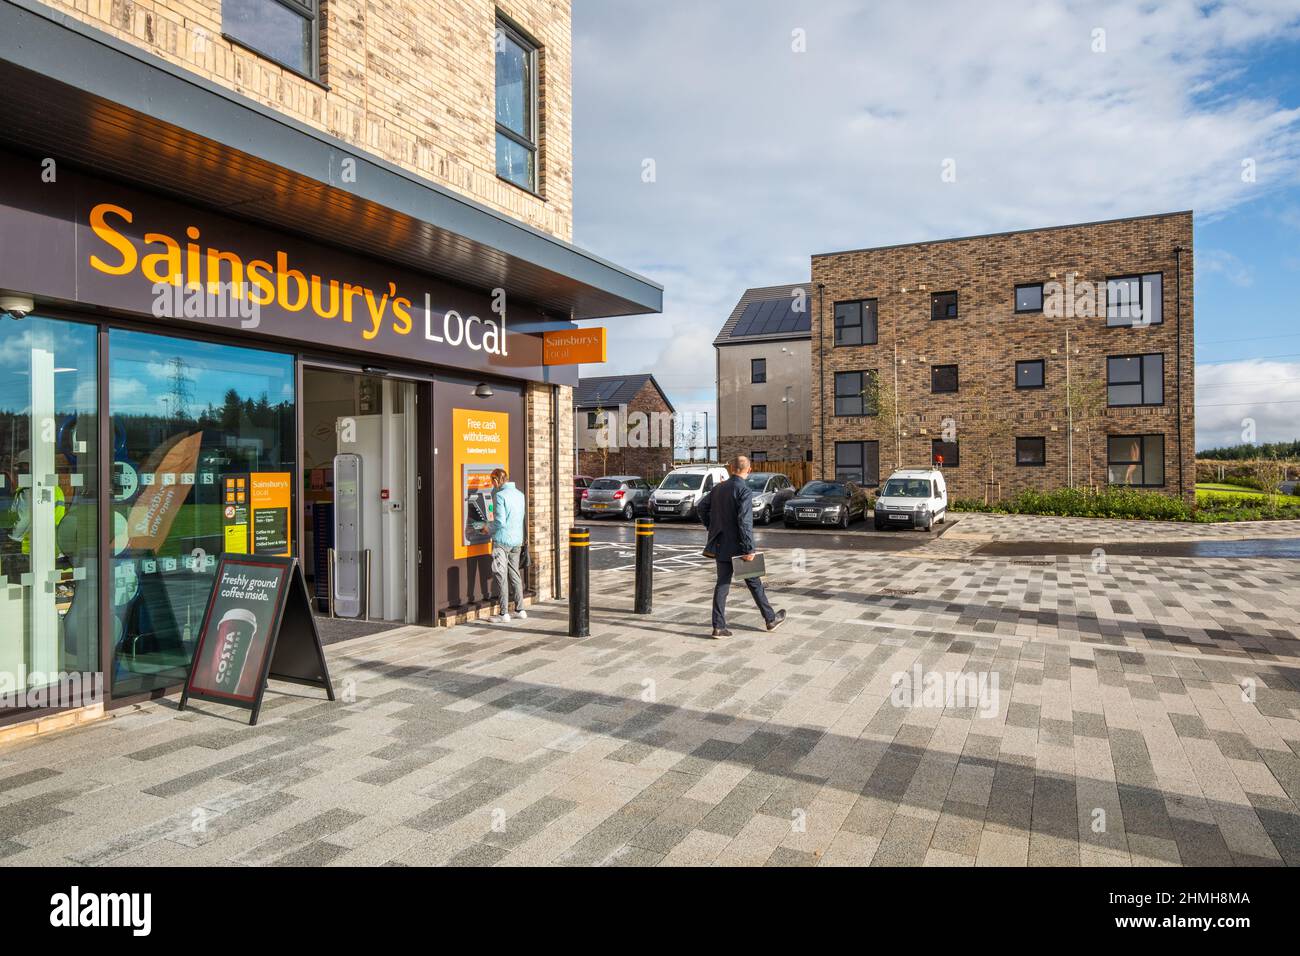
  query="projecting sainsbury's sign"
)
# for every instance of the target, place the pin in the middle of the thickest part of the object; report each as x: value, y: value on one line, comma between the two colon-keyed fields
x: 94, y: 242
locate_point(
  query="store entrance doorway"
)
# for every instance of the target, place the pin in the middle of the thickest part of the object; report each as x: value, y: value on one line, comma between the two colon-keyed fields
x: 360, y: 494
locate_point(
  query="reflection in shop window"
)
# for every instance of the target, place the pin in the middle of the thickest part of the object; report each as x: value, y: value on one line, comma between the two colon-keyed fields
x: 49, y: 634
x: 198, y: 429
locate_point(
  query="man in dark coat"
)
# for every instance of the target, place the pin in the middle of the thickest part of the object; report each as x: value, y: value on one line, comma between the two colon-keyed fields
x: 728, y: 512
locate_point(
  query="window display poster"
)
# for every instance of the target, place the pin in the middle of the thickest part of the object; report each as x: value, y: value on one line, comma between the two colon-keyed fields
x: 269, y: 500
x: 481, y: 442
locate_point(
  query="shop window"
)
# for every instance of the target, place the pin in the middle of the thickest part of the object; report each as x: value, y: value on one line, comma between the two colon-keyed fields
x: 943, y: 378
x: 1031, y: 452
x: 516, y: 107
x: 858, y: 461
x: 856, y: 322
x: 1030, y: 374
x: 1135, y: 380
x: 49, y: 512
x: 203, y: 464
x: 286, y: 31
x: 1137, y: 460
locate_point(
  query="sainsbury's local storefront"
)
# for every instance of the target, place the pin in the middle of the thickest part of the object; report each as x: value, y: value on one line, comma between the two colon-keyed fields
x: 189, y: 381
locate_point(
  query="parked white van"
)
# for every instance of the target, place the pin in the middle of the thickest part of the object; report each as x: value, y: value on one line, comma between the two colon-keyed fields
x: 912, y: 498
x: 679, y: 494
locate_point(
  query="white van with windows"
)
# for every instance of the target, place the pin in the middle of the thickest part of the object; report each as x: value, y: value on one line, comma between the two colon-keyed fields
x: 912, y: 498
x: 679, y: 494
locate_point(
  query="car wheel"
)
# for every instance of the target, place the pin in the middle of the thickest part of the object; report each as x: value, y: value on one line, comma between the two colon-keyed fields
x: 880, y: 526
x: 765, y: 516
x: 791, y: 524
x: 844, y: 520
x: 929, y: 523
x: 629, y: 512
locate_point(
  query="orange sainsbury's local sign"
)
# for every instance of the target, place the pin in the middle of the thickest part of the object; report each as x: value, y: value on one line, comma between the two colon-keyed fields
x: 573, y: 346
x: 86, y: 240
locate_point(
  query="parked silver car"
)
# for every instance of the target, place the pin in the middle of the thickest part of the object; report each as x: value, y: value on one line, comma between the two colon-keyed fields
x: 627, y: 495
x: 771, y: 491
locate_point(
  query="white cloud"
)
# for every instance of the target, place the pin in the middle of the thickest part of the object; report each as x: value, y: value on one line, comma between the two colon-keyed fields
x: 765, y: 156
x: 1231, y: 395
x: 1224, y: 263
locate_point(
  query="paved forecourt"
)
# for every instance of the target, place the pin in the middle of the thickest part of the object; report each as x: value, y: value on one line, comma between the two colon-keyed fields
x: 1130, y: 711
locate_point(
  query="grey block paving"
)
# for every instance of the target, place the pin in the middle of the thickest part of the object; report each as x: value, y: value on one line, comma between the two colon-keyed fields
x: 1145, y: 714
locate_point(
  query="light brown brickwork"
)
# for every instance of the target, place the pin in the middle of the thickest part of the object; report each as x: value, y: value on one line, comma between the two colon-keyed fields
x: 989, y: 337
x: 541, y: 407
x: 411, y: 81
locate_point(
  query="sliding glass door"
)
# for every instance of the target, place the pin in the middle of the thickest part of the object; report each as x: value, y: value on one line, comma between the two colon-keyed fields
x: 49, y: 513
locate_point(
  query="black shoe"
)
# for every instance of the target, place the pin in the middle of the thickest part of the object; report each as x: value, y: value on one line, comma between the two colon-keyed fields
x: 777, y: 621
x: 721, y: 632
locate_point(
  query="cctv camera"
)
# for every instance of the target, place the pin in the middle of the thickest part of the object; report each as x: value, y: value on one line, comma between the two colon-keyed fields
x: 19, y: 306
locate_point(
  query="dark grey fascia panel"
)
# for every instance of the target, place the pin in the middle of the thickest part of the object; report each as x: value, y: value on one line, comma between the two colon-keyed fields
x: 77, y: 59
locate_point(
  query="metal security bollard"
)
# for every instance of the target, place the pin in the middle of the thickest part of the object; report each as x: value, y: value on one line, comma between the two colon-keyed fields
x: 645, y: 565
x: 579, y: 589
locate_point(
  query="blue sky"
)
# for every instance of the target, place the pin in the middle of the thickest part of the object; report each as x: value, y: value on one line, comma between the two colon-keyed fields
x: 778, y: 129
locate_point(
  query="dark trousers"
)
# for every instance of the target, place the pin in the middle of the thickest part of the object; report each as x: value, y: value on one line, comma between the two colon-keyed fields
x: 724, y: 585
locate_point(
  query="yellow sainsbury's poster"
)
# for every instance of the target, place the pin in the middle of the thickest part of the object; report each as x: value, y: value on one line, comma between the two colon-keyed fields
x: 480, y: 443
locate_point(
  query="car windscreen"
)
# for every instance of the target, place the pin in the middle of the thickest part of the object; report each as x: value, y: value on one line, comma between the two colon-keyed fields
x: 814, y: 488
x: 757, y: 482
x: 906, y: 488
x: 606, y: 484
x: 681, y: 483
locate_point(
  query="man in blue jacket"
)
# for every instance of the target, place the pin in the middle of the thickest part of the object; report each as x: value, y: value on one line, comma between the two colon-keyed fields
x: 508, y: 513
x: 728, y: 512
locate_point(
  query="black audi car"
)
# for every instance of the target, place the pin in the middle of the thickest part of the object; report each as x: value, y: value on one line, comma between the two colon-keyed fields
x: 824, y: 502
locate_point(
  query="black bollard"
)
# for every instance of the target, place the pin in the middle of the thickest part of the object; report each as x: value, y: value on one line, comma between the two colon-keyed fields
x: 579, y: 589
x: 645, y: 565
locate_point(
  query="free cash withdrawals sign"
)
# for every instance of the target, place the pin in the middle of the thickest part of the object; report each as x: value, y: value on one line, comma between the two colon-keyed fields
x: 257, y: 625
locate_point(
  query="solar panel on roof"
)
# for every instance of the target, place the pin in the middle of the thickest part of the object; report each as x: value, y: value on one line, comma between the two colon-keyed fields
x: 771, y: 317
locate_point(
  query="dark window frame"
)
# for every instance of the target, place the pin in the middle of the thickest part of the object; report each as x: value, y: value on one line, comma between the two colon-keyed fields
x: 956, y: 458
x: 1042, y: 374
x: 956, y: 380
x: 1015, y: 298
x: 867, y: 411
x: 309, y: 10
x: 533, y: 142
x: 861, y: 324
x: 934, y: 301
x: 1141, y: 383
x: 865, y: 481
x: 758, y: 371
x: 1042, y: 444
x: 753, y: 412
x: 757, y: 455
x: 1141, y: 460
x: 1142, y: 306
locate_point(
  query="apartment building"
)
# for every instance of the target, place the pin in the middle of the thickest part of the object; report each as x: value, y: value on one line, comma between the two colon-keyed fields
x: 764, y: 375
x: 276, y: 277
x: 624, y: 425
x: 1040, y: 359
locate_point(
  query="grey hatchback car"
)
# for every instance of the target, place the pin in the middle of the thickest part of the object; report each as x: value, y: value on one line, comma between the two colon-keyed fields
x: 628, y: 495
x: 771, y: 491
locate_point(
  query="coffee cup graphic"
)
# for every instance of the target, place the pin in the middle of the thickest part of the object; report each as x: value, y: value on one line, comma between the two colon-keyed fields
x: 235, y: 633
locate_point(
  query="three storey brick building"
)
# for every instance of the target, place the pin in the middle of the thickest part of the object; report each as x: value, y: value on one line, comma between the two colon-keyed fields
x: 1033, y: 359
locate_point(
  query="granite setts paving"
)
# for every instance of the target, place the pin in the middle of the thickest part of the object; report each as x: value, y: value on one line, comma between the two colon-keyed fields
x: 1136, y: 711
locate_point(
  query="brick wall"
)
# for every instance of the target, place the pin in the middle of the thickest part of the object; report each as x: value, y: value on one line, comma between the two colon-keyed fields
x: 650, y: 461
x: 989, y: 337
x: 540, y: 408
x: 411, y: 81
